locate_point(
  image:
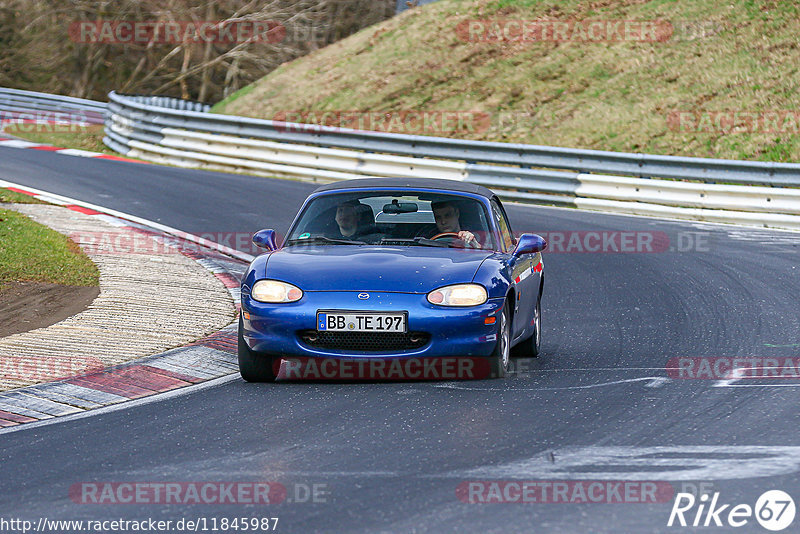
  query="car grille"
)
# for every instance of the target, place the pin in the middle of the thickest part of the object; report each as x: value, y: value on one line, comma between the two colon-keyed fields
x: 365, y: 341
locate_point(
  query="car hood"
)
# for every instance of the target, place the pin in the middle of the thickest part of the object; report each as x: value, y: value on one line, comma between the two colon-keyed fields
x: 352, y: 268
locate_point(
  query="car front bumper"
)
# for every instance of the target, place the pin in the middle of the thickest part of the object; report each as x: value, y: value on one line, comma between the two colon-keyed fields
x: 277, y: 329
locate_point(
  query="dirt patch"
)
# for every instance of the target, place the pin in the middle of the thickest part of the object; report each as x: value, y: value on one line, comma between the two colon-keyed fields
x: 29, y: 305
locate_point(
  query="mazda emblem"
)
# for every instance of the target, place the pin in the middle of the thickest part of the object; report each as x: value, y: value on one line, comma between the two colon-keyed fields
x: 363, y: 296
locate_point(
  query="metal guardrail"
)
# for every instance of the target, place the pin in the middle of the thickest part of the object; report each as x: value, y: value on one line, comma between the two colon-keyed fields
x: 183, y: 133
x: 753, y: 193
x: 167, y: 102
x: 29, y: 105
x: 586, y: 161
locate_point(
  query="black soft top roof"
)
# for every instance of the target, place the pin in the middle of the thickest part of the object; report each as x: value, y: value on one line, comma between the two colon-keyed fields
x: 416, y: 183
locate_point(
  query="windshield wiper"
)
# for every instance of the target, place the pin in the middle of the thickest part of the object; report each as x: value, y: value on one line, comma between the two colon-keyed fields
x: 322, y: 239
x: 419, y: 241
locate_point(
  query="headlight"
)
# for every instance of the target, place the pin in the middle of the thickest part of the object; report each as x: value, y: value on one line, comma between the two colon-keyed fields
x: 459, y: 295
x: 274, y: 292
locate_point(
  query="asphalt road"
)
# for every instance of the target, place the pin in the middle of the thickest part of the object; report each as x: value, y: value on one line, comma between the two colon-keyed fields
x: 598, y: 405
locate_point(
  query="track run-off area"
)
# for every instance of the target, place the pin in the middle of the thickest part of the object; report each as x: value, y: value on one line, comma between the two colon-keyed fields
x: 666, y: 369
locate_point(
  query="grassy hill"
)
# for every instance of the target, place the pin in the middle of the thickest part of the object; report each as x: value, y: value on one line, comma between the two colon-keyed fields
x: 715, y: 58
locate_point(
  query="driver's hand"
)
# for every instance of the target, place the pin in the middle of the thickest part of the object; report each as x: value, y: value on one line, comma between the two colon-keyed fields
x: 469, y: 239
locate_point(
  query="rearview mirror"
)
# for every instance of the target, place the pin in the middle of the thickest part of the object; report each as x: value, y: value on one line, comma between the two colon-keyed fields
x: 265, y: 239
x: 400, y: 207
x: 529, y: 244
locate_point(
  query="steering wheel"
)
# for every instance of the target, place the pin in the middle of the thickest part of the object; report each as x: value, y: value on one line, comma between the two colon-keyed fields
x: 447, y: 235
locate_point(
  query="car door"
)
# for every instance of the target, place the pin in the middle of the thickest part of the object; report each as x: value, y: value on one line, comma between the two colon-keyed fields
x: 521, y: 273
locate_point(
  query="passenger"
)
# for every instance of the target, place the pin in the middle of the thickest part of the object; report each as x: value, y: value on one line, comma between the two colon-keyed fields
x: 347, y: 219
x: 355, y: 221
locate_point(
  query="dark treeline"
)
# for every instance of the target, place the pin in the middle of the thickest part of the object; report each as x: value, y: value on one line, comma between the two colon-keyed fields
x: 86, y: 48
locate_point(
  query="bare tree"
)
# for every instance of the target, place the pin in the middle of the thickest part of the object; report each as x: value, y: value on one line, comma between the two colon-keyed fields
x: 38, y: 51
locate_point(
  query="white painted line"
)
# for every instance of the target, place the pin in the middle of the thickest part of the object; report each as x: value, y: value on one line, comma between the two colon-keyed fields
x: 740, y: 373
x: 18, y: 143
x: 681, y: 462
x: 736, y: 375
x: 51, y: 200
x: 158, y: 397
x: 114, y: 221
x: 653, y: 382
x: 592, y: 369
x: 760, y: 386
x: 76, y: 152
x: 266, y: 471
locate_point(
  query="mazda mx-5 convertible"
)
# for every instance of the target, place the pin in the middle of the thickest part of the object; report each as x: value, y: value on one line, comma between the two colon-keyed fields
x: 392, y: 278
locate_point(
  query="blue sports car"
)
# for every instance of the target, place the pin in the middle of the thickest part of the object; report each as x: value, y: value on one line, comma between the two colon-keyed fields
x: 392, y: 278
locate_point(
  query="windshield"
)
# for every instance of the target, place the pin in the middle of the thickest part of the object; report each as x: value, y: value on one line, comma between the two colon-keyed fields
x: 400, y: 218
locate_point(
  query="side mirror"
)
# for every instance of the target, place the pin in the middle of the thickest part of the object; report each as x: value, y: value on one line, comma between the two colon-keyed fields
x: 265, y: 239
x: 529, y: 244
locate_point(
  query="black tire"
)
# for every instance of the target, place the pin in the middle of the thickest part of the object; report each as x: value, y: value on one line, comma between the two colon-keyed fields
x: 500, y: 360
x: 253, y: 366
x: 531, y: 347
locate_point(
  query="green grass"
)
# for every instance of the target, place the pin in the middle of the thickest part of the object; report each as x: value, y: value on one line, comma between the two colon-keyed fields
x: 88, y: 138
x: 740, y: 55
x: 83, y: 138
x: 12, y: 197
x: 33, y: 252
x: 238, y: 94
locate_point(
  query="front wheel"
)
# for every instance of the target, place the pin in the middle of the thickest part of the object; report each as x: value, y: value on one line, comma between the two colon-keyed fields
x: 253, y: 366
x: 501, y: 357
x: 531, y: 347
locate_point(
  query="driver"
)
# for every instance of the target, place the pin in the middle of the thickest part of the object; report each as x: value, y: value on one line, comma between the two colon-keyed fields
x: 447, y: 216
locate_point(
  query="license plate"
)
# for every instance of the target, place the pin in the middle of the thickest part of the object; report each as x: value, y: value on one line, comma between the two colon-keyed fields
x: 361, y: 322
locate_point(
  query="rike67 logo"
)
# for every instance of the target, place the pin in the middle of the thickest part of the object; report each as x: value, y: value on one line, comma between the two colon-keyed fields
x: 774, y: 510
